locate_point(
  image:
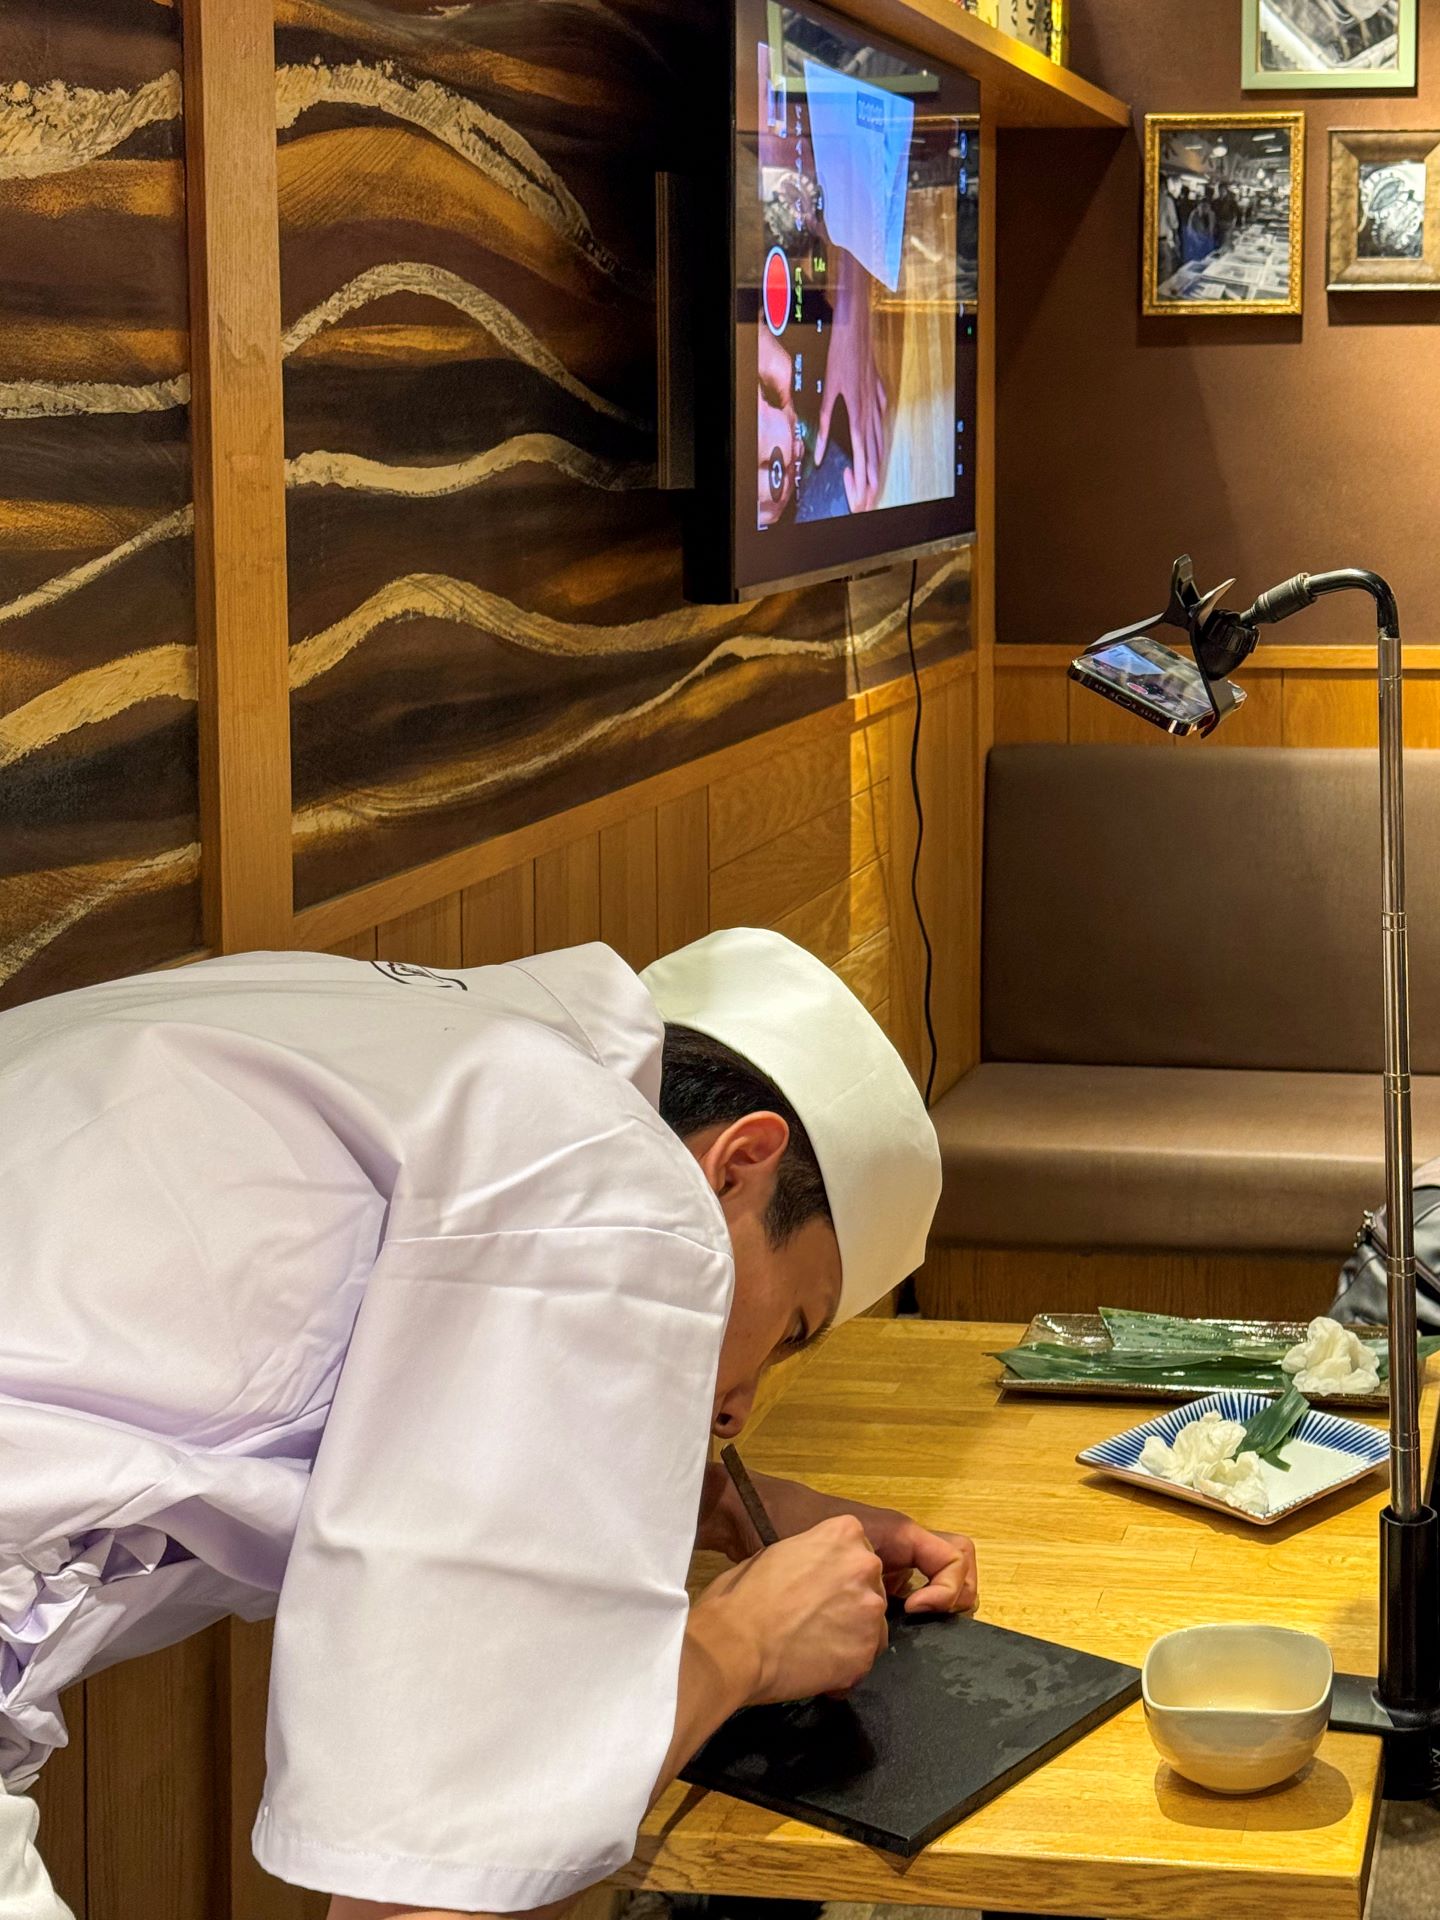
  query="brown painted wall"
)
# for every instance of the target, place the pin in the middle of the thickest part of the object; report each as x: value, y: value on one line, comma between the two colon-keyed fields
x: 1260, y: 446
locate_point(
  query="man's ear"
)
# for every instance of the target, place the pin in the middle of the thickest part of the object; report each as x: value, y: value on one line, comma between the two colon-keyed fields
x: 746, y: 1153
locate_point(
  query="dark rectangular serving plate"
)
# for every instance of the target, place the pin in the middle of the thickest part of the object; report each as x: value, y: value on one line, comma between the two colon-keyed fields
x: 953, y: 1713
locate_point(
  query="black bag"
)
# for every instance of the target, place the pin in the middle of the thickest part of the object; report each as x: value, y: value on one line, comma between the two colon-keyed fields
x: 1364, y: 1291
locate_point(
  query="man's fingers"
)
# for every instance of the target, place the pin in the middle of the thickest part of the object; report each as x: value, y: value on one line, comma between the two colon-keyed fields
x: 948, y: 1563
x: 860, y: 460
x: 954, y: 1591
x: 822, y: 438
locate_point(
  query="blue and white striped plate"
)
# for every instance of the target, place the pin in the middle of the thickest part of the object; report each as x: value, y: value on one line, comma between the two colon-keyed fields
x: 1325, y: 1453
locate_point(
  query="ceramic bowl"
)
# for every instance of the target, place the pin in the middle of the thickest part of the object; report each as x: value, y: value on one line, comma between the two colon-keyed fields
x: 1237, y: 1708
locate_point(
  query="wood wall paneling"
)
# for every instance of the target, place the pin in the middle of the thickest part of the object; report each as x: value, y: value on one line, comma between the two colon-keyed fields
x: 1422, y: 711
x: 682, y: 869
x: 497, y: 917
x: 1260, y: 722
x: 782, y: 873
x: 756, y: 805
x: 845, y: 917
x: 238, y: 428
x: 428, y: 936
x: 629, y: 881
x: 359, y: 946
x: 1014, y: 1284
x: 1295, y: 697
x: 1031, y: 704
x: 567, y: 895
x: 959, y: 872
x: 1331, y: 710
x: 866, y: 970
x: 156, y: 1773
x: 60, y: 1794
x: 948, y: 884
x: 986, y: 486
x: 243, y: 1665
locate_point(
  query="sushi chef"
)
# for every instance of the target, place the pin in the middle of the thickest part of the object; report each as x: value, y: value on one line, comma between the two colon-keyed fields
x: 407, y: 1301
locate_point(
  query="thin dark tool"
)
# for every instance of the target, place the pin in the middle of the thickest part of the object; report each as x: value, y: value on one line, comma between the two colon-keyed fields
x: 753, y: 1504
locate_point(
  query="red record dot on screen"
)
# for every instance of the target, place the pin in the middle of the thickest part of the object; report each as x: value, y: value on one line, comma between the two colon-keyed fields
x: 775, y: 286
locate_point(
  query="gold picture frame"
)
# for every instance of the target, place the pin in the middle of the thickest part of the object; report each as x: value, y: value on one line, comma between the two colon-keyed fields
x: 1231, y: 240
x: 1380, y: 239
x: 1042, y: 24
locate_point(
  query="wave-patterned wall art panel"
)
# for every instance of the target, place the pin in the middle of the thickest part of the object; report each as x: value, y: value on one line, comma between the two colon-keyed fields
x: 98, y: 828
x: 486, y: 614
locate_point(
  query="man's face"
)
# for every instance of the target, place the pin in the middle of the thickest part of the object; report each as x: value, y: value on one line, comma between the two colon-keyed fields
x: 784, y: 1296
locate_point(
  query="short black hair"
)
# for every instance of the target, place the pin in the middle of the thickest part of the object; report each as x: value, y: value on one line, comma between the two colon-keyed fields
x: 704, y: 1083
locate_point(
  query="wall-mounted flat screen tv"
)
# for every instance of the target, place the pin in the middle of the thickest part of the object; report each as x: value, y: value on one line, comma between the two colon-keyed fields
x: 843, y: 431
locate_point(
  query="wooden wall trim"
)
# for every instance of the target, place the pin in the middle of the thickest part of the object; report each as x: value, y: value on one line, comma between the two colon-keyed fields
x: 335, y: 920
x: 983, y: 595
x: 237, y: 431
x: 1275, y: 657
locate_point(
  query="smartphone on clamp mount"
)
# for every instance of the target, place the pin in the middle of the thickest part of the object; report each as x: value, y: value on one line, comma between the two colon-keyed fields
x: 1148, y: 678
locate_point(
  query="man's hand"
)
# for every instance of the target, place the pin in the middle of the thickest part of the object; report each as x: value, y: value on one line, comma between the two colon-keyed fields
x: 812, y: 1609
x: 852, y: 376
x: 946, y: 1560
x: 779, y: 429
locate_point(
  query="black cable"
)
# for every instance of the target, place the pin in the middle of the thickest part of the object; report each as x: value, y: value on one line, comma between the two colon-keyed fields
x: 920, y: 835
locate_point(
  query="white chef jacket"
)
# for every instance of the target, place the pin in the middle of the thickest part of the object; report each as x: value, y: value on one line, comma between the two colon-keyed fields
x: 25, y: 1889
x: 389, y: 1291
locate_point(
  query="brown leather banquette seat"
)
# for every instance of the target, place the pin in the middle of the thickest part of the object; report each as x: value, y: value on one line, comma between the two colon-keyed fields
x: 1181, y: 1027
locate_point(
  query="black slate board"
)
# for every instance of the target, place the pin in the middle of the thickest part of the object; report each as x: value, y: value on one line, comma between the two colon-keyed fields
x: 951, y: 1715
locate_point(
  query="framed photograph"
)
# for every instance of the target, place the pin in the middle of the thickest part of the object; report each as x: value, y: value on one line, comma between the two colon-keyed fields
x: 1224, y: 212
x: 1303, y: 46
x: 1042, y: 24
x: 1384, y: 211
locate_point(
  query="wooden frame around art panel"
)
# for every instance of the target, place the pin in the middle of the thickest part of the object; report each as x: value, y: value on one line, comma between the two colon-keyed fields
x: 1256, y: 78
x: 1157, y: 125
x: 1350, y: 149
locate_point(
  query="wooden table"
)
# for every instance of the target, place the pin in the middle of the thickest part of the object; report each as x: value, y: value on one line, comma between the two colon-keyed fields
x: 907, y: 1413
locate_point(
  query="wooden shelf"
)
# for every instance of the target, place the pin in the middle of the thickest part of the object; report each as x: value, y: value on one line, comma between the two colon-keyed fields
x: 1021, y: 87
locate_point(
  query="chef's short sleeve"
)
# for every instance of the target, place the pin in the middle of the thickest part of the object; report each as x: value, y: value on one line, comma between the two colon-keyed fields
x: 478, y: 1639
x: 25, y: 1889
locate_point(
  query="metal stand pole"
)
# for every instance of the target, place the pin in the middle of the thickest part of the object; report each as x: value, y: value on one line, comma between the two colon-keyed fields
x: 1403, y: 1705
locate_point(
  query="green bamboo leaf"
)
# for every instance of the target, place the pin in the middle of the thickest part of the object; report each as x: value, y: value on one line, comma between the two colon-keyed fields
x: 1268, y: 1430
x: 1205, y: 1372
x: 1426, y: 1345
x: 1132, y: 1331
x: 1181, y: 1355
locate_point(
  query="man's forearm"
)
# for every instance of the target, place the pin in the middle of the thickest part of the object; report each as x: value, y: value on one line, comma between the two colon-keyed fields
x: 719, y: 1673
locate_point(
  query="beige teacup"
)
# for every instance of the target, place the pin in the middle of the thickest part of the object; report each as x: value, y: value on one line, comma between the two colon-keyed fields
x: 1237, y: 1708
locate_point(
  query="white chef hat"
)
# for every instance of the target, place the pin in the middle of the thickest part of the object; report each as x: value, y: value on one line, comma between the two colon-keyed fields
x: 791, y: 1017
